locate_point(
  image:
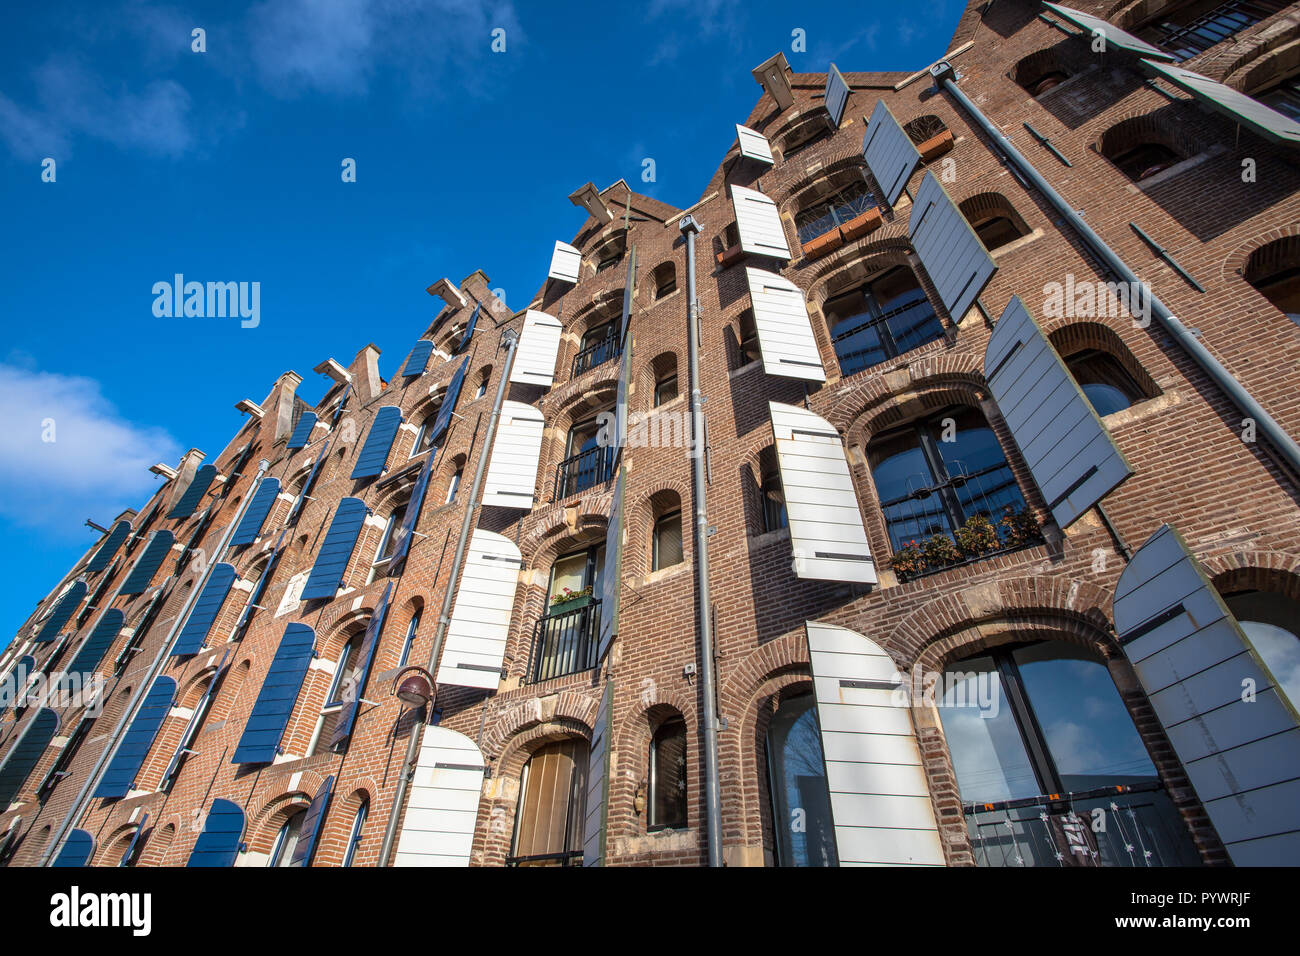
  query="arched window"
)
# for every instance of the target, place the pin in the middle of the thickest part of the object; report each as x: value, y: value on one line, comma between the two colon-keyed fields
x: 1028, y: 722
x: 387, y: 543
x: 1187, y: 29
x: 552, y: 797
x: 937, y: 474
x: 994, y: 220
x: 666, y: 546
x: 771, y: 494
x: 611, y: 253
x: 599, y: 344
x: 930, y: 135
x: 354, y: 835
x: 801, y: 801
x: 566, y: 636
x: 1140, y: 147
x: 1272, y: 623
x: 343, y: 688
x: 837, y: 201
x: 192, y: 729
x: 586, y: 462
x: 1274, y: 271
x: 805, y: 133
x: 424, y: 436
x: 1041, y: 71
x: 749, y: 350
x: 667, y: 804
x: 408, y: 642
x: 1283, y: 97
x: 664, y: 368
x: 453, y: 484
x: 286, y: 841
x: 484, y: 377
x: 880, y: 319
x: 1104, y: 381
x: 665, y: 279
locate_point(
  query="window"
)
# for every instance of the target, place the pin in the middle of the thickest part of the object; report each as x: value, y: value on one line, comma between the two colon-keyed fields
x: 881, y: 319
x: 286, y: 841
x: 749, y: 347
x: 1284, y: 97
x: 1142, y: 146
x: 549, y: 820
x: 924, y: 128
x: 1041, y: 71
x: 823, y: 215
x: 586, y: 463
x: 411, y: 630
x: 1193, y: 28
x: 1030, y: 720
x: 192, y: 728
x: 1271, y: 622
x: 801, y: 801
x: 664, y: 369
x: 66, y: 755
x: 1274, y: 271
x: 1145, y: 160
x: 343, y: 688
x: 665, y: 279
x: 354, y: 836
x: 667, y: 805
x: 1104, y: 382
x: 387, y: 543
x: 454, y: 485
x: 566, y: 636
x: 994, y: 220
x: 813, y: 130
x: 667, y: 549
x: 611, y: 253
x: 770, y: 491
x: 934, y: 475
x: 424, y: 437
x: 134, y: 847
x: 598, y: 346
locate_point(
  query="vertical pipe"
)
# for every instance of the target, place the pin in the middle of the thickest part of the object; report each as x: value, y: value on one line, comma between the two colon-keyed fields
x: 511, y: 339
x: 712, y: 801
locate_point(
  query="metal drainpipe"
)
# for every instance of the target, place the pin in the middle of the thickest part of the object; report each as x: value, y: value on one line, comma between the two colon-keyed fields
x: 712, y: 800
x: 142, y: 688
x: 511, y: 339
x: 1284, y: 445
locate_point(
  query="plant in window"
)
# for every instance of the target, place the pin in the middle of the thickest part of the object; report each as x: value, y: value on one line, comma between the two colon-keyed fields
x: 977, y: 536
x: 569, y: 596
x: 1018, y: 528
x: 908, y: 560
x: 940, y: 550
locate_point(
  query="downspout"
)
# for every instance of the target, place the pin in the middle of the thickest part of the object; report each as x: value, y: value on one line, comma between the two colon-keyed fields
x: 142, y: 688
x: 1282, y: 443
x: 511, y: 339
x: 708, y: 680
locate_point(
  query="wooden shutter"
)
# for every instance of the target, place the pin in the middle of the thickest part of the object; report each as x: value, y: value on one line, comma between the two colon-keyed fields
x: 340, y: 540
x: 469, y: 329
x: 312, y: 822
x: 785, y: 333
x: 119, y: 779
x: 880, y: 799
x: 826, y: 531
x: 66, y: 605
x: 25, y: 753
x: 538, y: 347
x: 954, y: 257
x: 1195, y: 663
x: 837, y: 94
x: 418, y: 360
x: 1069, y: 451
x: 260, y: 741
x: 96, y: 645
x: 890, y: 154
x: 222, y: 836
x: 347, y: 714
x: 566, y: 263
x: 250, y: 525
x: 516, y: 455
x: 379, y: 442
x: 611, y: 581
x: 480, y: 623
x: 754, y: 145
x: 205, y: 611
x: 189, y: 501
x: 449, y: 399
x: 99, y: 561
x: 438, y: 827
x: 596, y: 812
x: 160, y: 543
x: 76, y: 851
x: 759, y: 223
x: 302, y: 431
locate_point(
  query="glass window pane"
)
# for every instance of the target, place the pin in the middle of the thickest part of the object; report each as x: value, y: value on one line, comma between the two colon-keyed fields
x: 801, y: 806
x: 668, y: 541
x: 902, y: 476
x: 668, y: 776
x: 568, y: 573
x: 988, y: 752
x: 1272, y: 624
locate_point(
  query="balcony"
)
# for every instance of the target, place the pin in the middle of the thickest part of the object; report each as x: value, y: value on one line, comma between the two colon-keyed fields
x: 565, y: 641
x: 589, y: 468
x: 598, y: 354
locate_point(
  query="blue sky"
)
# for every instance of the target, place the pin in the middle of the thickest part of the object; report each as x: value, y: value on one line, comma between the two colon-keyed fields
x: 225, y: 166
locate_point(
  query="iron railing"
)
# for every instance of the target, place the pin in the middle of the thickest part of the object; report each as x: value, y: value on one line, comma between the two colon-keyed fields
x: 885, y: 333
x: 610, y: 347
x: 824, y: 217
x: 584, y: 470
x: 1213, y: 27
x: 565, y: 642
x: 563, y: 858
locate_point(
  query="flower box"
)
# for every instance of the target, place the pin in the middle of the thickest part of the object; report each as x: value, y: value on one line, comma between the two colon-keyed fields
x: 859, y: 226
x: 564, y: 607
x: 826, y: 242
x: 729, y: 256
x: 935, y: 146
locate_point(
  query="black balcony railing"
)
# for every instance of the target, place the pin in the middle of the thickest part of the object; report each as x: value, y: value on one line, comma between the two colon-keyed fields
x: 565, y: 642
x: 584, y: 470
x: 598, y: 354
x: 563, y: 858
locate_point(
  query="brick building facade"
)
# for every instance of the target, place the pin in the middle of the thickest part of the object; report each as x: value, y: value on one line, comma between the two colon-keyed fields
x: 819, y: 290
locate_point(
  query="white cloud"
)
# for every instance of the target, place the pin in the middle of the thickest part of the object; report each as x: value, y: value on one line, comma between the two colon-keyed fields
x: 96, y: 466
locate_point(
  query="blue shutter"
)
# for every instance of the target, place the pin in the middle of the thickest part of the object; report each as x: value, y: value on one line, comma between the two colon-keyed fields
x: 109, y: 548
x: 16, y: 682
x: 347, y: 390
x: 250, y: 526
x: 419, y: 359
x: 194, y: 493
x: 469, y: 329
x: 449, y: 399
x: 312, y: 823
x: 119, y: 778
x: 135, y: 841
x: 374, y: 453
x: 94, y: 648
x: 205, y: 611
x: 352, y: 703
x: 404, y: 534
x: 260, y: 741
x: 954, y: 257
x: 223, y: 831
x: 259, y: 587
x: 146, y: 566
x: 77, y: 849
x: 889, y: 152
x: 307, y: 485
x: 302, y: 431
x: 1067, y: 448
x: 62, y: 612
x: 332, y: 562
x: 26, y: 753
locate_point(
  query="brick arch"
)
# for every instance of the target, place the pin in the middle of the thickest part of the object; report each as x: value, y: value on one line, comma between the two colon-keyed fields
x: 876, y: 406
x: 844, y: 164
x: 1165, y: 126
x: 393, y: 495
x: 1236, y: 262
x: 553, y: 532
x: 260, y: 834
x: 633, y: 767
x: 110, y: 849
x: 640, y: 523
x: 1255, y: 65
x: 1074, y: 335
x: 158, y: 844
x: 193, y: 689
x: 1062, y: 57
x: 867, y: 257
x: 1255, y: 570
x: 505, y: 732
x: 332, y: 636
x: 989, y: 204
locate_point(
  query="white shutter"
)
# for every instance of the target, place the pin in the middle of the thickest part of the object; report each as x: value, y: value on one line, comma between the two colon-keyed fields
x: 837, y: 95
x: 438, y: 828
x: 480, y: 623
x: 1242, y: 756
x: 598, y: 758
x: 830, y: 543
x: 754, y: 145
x: 516, y: 454
x: 785, y: 333
x: 880, y: 799
x: 1069, y: 451
x: 611, y: 581
x: 759, y: 223
x: 566, y: 262
x: 538, y: 347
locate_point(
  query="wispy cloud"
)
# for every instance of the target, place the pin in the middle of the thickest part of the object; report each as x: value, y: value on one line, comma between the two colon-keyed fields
x: 96, y: 465
x: 688, y: 21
